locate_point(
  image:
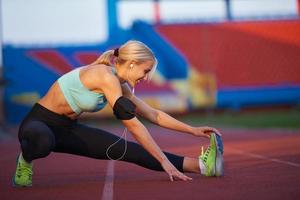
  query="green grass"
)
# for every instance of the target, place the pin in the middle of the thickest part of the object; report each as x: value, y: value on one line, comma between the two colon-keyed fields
x: 277, y: 118
x: 283, y: 118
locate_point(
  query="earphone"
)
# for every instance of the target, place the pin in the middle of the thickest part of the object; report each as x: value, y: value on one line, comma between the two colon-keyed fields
x: 131, y: 66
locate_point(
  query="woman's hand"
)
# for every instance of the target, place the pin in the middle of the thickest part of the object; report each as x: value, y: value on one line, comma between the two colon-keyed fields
x: 204, y: 131
x: 173, y: 172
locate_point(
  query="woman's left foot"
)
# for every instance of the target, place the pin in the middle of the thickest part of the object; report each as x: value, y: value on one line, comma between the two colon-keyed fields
x: 23, y: 174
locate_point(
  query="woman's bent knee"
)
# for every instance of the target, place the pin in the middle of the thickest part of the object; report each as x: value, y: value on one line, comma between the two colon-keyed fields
x: 37, y: 139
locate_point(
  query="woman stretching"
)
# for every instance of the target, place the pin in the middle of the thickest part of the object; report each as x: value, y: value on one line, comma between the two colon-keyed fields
x: 51, y: 125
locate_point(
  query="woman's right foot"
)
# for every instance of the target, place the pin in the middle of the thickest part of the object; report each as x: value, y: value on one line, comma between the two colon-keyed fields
x: 211, y: 161
x: 207, y: 159
x: 23, y: 174
x: 220, y: 160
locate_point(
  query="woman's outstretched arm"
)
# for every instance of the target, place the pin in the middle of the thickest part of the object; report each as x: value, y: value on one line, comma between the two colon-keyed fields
x: 163, y: 119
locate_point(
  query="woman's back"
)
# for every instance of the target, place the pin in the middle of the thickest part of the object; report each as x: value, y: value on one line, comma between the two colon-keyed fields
x: 75, y: 90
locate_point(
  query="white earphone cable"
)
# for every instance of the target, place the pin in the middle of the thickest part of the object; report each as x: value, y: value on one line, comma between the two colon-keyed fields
x: 123, y: 136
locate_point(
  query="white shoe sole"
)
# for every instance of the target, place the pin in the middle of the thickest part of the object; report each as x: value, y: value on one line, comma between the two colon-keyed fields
x: 219, y: 168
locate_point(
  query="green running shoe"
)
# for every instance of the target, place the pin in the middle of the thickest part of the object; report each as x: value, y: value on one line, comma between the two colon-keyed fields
x: 209, y: 157
x: 23, y: 175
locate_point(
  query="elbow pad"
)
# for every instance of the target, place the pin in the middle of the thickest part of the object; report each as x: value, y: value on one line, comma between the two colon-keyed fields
x: 124, y: 108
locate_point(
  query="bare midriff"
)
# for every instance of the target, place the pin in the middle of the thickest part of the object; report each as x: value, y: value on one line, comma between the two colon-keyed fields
x: 55, y: 101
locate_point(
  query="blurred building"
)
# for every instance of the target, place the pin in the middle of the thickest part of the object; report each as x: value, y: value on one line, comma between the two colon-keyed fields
x: 212, y: 53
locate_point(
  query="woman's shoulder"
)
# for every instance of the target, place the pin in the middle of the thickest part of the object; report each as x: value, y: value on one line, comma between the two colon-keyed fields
x: 100, y: 69
x: 99, y: 73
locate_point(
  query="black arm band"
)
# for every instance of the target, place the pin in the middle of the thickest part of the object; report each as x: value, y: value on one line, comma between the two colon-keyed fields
x: 124, y: 109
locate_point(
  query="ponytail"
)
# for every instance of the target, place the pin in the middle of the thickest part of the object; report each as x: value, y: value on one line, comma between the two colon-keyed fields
x: 105, y: 58
x: 132, y: 50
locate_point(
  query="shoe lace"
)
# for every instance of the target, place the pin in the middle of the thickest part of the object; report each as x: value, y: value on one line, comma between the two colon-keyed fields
x: 205, y: 154
x: 24, y: 171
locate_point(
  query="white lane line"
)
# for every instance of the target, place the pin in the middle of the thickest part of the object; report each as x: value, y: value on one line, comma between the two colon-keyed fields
x: 108, y: 189
x: 265, y: 157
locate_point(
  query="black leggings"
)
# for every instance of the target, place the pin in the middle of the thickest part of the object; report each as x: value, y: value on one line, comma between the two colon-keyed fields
x: 43, y: 131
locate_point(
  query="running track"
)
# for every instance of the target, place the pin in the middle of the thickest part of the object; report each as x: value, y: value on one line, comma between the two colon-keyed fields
x: 259, y: 164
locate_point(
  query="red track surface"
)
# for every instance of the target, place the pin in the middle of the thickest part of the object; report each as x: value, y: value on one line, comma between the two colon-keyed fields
x: 259, y: 164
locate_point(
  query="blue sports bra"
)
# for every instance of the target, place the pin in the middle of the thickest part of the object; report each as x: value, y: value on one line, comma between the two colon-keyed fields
x: 80, y: 98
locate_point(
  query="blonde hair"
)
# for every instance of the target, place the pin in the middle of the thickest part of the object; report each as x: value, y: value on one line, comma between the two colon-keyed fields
x: 132, y: 50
